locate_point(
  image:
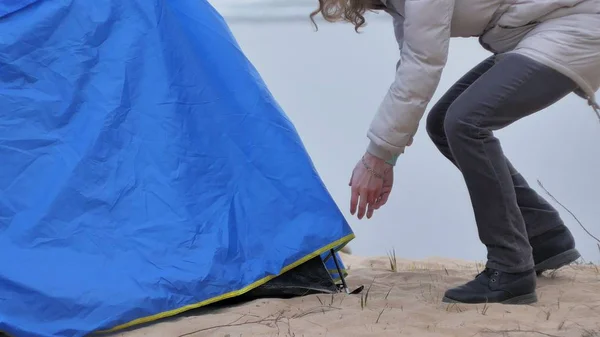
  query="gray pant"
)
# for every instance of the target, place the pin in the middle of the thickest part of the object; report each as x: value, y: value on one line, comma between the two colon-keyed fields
x: 493, y: 95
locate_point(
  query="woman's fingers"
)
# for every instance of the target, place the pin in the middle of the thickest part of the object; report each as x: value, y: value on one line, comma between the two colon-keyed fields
x: 383, y: 199
x: 377, y: 203
x: 368, y: 200
x: 362, y: 205
x: 372, y: 201
x: 354, y: 200
x: 370, y: 209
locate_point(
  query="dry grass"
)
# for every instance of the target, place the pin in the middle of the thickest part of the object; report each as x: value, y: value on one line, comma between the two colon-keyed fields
x: 393, y: 261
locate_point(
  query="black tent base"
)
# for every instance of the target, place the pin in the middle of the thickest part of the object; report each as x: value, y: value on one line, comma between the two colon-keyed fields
x: 308, y: 278
x: 311, y: 277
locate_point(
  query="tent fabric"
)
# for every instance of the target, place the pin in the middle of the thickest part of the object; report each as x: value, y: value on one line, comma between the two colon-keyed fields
x: 332, y: 268
x: 145, y: 167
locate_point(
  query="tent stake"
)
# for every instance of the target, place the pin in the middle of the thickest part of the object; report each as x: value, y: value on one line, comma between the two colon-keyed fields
x: 337, y: 265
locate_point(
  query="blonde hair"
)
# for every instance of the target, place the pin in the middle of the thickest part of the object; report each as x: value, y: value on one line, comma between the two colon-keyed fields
x: 351, y: 11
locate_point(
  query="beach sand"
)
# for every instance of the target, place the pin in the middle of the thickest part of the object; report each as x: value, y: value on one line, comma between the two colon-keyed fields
x: 406, y: 302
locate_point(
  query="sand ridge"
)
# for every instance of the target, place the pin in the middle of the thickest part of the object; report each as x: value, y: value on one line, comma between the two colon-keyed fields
x: 405, y: 302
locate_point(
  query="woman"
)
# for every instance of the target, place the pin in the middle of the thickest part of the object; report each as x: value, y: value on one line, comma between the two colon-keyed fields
x: 542, y: 51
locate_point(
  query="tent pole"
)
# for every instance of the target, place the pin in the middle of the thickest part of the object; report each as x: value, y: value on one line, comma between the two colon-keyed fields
x: 337, y: 265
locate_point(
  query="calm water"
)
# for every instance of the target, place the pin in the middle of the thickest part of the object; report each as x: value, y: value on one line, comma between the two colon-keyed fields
x: 330, y: 84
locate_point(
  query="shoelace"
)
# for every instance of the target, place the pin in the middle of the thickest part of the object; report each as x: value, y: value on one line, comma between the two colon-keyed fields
x: 492, y: 274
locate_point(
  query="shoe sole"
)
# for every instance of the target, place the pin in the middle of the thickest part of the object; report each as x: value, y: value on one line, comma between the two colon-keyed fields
x: 557, y: 261
x: 521, y: 300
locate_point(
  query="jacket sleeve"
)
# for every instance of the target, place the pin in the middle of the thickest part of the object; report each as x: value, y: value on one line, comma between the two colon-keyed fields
x: 423, y: 55
x: 398, y: 22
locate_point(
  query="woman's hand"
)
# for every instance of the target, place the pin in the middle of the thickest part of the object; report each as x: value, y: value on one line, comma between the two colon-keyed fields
x: 388, y: 183
x: 371, y: 184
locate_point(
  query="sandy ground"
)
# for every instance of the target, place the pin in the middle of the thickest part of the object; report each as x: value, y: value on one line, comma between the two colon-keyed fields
x: 404, y: 303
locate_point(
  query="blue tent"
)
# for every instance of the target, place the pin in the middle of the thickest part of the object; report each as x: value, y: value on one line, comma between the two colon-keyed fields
x: 145, y: 168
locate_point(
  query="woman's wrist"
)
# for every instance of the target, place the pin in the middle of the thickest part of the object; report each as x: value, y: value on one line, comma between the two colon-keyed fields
x: 383, y: 154
x: 393, y: 160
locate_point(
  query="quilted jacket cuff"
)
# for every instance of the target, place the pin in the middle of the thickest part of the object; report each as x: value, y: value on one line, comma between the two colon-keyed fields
x: 382, y: 153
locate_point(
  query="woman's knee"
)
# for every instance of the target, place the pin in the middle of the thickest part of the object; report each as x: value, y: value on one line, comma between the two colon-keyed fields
x: 435, y: 123
x: 460, y: 121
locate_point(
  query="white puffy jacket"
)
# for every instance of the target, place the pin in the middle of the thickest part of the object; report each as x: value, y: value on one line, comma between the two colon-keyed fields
x: 563, y: 34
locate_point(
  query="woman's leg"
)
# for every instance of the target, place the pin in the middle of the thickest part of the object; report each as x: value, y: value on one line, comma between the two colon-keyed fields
x: 513, y: 88
x: 553, y: 243
x: 437, y: 115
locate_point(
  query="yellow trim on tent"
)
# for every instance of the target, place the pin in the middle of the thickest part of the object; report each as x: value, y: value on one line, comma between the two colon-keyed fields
x: 338, y: 279
x: 235, y: 293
